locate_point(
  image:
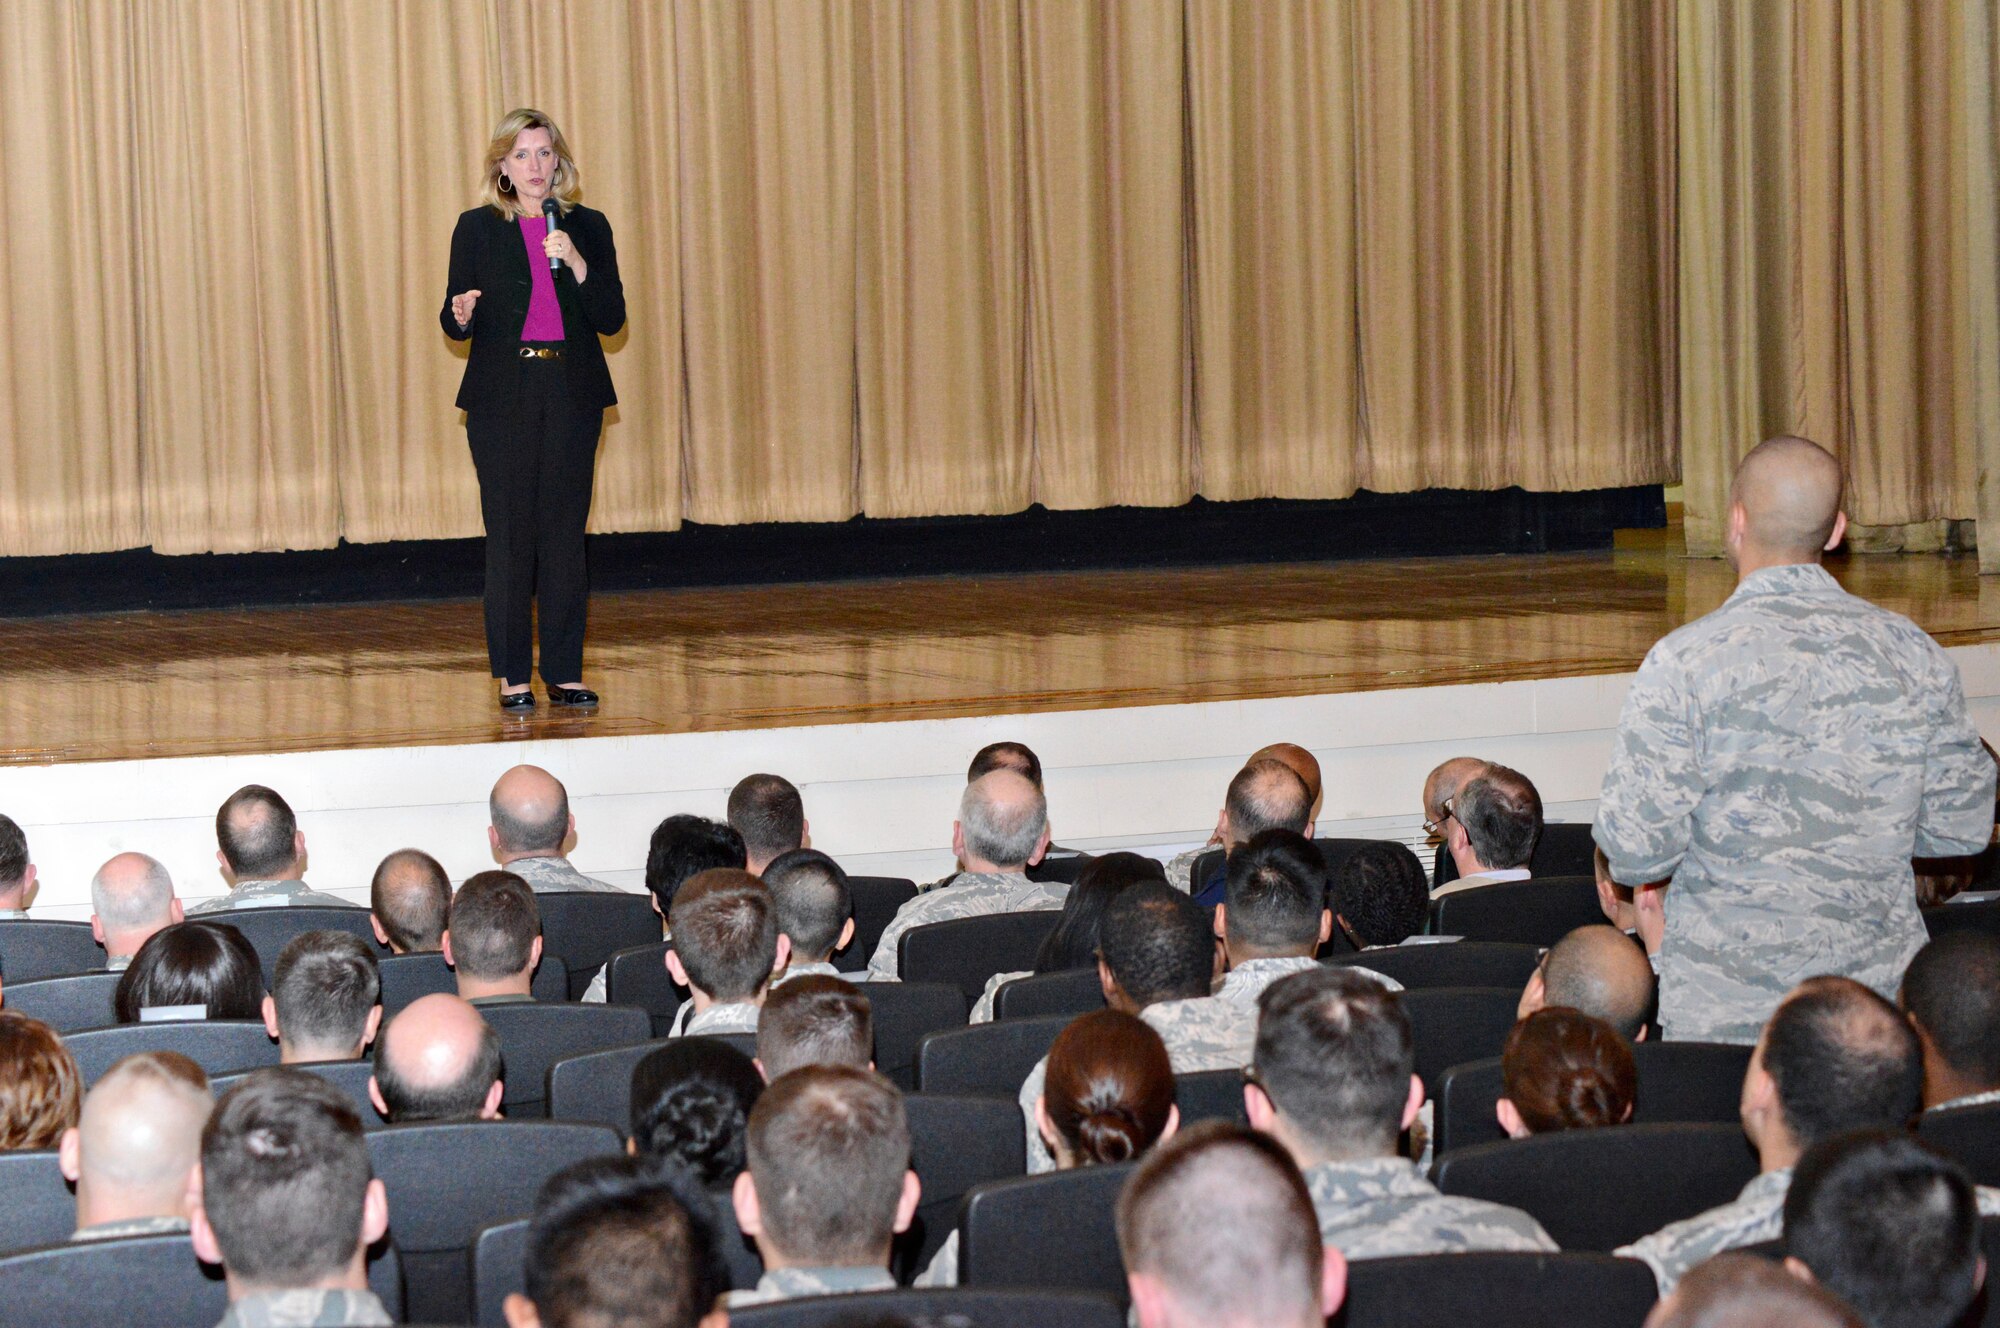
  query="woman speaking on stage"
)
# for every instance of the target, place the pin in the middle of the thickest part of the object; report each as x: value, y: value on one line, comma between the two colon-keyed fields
x: 534, y: 394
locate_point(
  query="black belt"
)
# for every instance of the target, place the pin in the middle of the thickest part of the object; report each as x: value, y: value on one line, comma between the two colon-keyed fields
x: 541, y: 352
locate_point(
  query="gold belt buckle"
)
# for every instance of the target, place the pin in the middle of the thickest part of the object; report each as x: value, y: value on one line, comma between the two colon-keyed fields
x: 540, y: 353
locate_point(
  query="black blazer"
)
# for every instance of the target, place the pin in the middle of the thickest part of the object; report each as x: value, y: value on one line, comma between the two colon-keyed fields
x: 487, y: 255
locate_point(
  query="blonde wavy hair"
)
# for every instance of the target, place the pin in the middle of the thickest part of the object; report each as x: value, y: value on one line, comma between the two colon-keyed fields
x: 566, y: 188
x: 41, y: 1093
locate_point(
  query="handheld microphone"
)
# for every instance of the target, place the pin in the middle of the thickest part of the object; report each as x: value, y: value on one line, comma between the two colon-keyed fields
x: 549, y: 215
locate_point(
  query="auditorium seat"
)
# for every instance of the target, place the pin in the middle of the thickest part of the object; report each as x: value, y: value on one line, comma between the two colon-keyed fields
x: 446, y: 1180
x: 1496, y: 1290
x: 1453, y: 1025
x: 1061, y: 868
x: 637, y: 975
x: 985, y: 1307
x: 350, y: 1077
x: 955, y: 1144
x: 1072, y: 992
x: 31, y: 948
x: 905, y: 1013
x: 270, y: 930
x: 1537, y: 912
x: 876, y: 901
x: 597, y: 1086
x: 583, y: 928
x: 1566, y: 848
x: 968, y: 951
x: 1049, y: 1232
x: 407, y: 977
x: 533, y: 1037
x: 36, y: 1206
x: 1209, y: 1095
x: 986, y: 1060
x: 1452, y: 964
x: 68, y: 1005
x: 1585, y: 1186
x: 1945, y: 918
x: 218, y: 1046
x: 1335, y: 853
x: 1971, y: 1135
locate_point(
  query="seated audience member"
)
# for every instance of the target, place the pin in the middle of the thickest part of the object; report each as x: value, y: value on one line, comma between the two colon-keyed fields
x: 620, y: 1242
x: 1598, y: 970
x: 815, y: 911
x: 1252, y: 1260
x: 1266, y: 794
x: 1441, y: 786
x: 1834, y: 1057
x: 191, y: 970
x: 1744, y: 1291
x: 1951, y: 993
x: 682, y: 848
x: 1002, y: 826
x: 1274, y: 915
x: 326, y: 998
x: 131, y: 897
x: 530, y: 823
x: 691, y: 1102
x: 17, y: 871
x: 1380, y: 896
x: 137, y: 1142
x: 1334, y: 1080
x: 1888, y: 1226
x: 1015, y: 756
x: 815, y: 1020
x: 1563, y: 1070
x: 726, y: 946
x: 828, y: 1184
x: 408, y: 900
x: 493, y: 939
x: 437, y: 1060
x: 40, y: 1089
x: 768, y: 812
x: 1492, y: 828
x: 263, y: 855
x: 289, y: 1204
x: 1073, y: 944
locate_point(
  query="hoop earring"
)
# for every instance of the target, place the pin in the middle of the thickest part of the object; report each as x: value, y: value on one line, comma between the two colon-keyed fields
x: 505, y: 186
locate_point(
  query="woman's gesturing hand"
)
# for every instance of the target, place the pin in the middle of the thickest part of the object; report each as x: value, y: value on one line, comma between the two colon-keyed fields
x: 461, y: 307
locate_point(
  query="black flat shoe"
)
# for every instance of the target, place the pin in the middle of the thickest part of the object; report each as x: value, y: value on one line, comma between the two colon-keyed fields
x: 517, y: 700
x: 571, y: 696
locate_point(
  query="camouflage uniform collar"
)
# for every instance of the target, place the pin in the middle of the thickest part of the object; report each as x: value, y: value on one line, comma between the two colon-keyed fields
x: 1970, y: 1100
x: 1767, y: 1185
x: 132, y: 1226
x: 791, y: 1282
x: 1790, y: 579
x: 1246, y: 981
x: 817, y: 968
x: 306, y: 1309
x: 1357, y: 1179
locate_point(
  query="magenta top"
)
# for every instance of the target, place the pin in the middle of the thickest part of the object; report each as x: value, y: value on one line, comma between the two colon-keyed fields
x: 544, y: 314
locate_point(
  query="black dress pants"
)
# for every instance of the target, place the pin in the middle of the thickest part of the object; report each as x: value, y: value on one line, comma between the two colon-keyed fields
x: 536, y: 458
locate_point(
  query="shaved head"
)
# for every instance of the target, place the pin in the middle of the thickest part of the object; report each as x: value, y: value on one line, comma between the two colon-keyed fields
x: 1599, y: 971
x: 437, y: 1060
x: 1302, y: 762
x: 139, y: 1136
x: 1444, y: 783
x: 1789, y: 491
x: 530, y: 811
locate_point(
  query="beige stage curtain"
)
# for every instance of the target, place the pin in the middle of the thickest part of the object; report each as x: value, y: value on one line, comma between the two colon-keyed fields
x: 1825, y: 253
x: 1978, y: 138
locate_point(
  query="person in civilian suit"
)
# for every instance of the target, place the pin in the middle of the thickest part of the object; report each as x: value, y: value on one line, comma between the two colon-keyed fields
x: 534, y: 394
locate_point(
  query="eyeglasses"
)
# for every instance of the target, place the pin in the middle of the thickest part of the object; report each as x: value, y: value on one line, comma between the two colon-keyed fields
x: 1436, y: 827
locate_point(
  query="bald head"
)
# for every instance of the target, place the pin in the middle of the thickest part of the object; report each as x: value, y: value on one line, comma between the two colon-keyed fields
x: 1788, y: 493
x: 410, y: 897
x: 131, y: 892
x: 139, y: 1137
x: 1599, y: 971
x: 530, y: 812
x: 437, y: 1060
x: 1745, y: 1291
x: 1003, y: 820
x: 1301, y: 762
x: 1443, y: 783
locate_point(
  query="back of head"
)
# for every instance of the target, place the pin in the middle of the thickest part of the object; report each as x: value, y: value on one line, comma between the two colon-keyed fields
x: 768, y: 812
x: 1158, y: 944
x: 1254, y: 1256
x: 828, y: 1147
x: 1564, y: 1070
x: 691, y: 1101
x: 257, y: 833
x: 1275, y: 895
x: 815, y: 1020
x: 40, y: 1089
x: 622, y: 1242
x: 1888, y: 1226
x: 682, y: 848
x: 410, y: 896
x: 1841, y: 1059
x: 324, y: 986
x: 202, y: 963
x: 140, y: 1133
x: 1444, y: 782
x: 1003, y: 816
x: 13, y: 855
x: 1502, y: 816
x: 1789, y: 488
x: 1265, y: 795
x: 1381, y: 892
x: 1110, y: 1087
x: 1335, y: 1055
x: 493, y: 924
x: 1745, y: 1291
x: 1598, y: 970
x: 726, y: 933
x: 1298, y: 760
x: 1015, y: 756
x: 132, y: 891
x: 1952, y: 991
x: 437, y: 1060
x: 284, y: 1175
x: 1074, y: 942
x: 813, y: 901
x: 529, y: 809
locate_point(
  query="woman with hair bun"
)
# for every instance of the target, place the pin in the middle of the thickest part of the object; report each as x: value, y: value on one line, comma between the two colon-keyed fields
x: 1564, y: 1070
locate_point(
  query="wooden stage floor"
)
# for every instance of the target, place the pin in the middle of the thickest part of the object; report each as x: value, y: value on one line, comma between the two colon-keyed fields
x: 136, y: 685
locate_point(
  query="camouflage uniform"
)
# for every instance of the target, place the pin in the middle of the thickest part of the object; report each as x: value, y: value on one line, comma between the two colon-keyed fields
x: 306, y: 1309
x: 734, y: 1017
x: 1990, y: 1096
x: 269, y: 894
x: 943, y: 1269
x: 1180, y: 868
x: 13, y: 914
x: 1379, y: 1207
x: 971, y: 895
x: 982, y: 1009
x: 814, y: 968
x: 1783, y: 759
x: 554, y: 875
x: 164, y: 1225
x: 790, y: 1283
